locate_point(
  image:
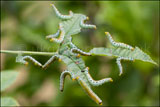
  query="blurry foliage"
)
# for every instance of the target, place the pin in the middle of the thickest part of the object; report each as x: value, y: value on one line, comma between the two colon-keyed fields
x: 24, y: 26
x: 7, y: 101
x: 8, y: 77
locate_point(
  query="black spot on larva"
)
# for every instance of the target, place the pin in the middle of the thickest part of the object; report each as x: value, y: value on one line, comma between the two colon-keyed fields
x: 82, y: 71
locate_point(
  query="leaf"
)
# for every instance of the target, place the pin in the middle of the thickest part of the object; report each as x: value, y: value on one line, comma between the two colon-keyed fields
x: 8, y: 77
x: 8, y: 101
x: 83, y: 80
x: 72, y: 26
x: 136, y: 54
x: 76, y: 69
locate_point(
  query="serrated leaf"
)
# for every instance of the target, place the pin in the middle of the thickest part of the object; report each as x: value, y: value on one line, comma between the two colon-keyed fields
x: 8, y: 77
x: 136, y: 54
x: 8, y: 101
x: 76, y: 69
x: 72, y: 26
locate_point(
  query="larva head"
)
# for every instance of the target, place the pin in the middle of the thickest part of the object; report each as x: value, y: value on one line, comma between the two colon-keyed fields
x: 107, y: 33
x: 84, y: 17
x: 100, y: 103
x: 83, y: 25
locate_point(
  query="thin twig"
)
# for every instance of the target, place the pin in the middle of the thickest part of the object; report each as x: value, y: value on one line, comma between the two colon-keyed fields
x: 28, y: 52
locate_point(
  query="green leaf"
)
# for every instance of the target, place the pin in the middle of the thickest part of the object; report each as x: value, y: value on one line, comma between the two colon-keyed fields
x: 8, y: 77
x: 72, y: 26
x: 8, y: 101
x: 76, y: 69
x: 136, y: 54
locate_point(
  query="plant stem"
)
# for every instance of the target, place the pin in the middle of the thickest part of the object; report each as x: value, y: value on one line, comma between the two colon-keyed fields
x: 28, y: 52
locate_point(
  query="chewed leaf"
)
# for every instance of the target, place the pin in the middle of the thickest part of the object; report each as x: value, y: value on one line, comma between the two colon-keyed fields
x: 136, y: 54
x: 73, y: 26
x: 69, y: 53
x: 8, y: 101
x: 7, y: 78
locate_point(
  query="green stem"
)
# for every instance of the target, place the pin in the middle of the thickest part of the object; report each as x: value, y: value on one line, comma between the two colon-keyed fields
x: 28, y: 52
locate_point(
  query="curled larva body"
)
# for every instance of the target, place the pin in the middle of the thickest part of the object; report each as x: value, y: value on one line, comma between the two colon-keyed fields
x: 32, y: 59
x: 83, y: 25
x: 94, y: 82
x: 62, y: 78
x: 51, y: 60
x: 22, y: 59
x: 90, y: 93
x: 76, y: 50
x: 59, y: 15
x: 118, y: 61
x: 61, y: 37
x: 53, y: 35
x: 116, y: 43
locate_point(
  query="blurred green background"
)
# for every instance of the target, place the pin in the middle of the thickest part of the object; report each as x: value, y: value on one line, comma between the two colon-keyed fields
x: 24, y: 26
